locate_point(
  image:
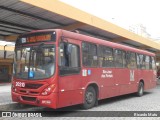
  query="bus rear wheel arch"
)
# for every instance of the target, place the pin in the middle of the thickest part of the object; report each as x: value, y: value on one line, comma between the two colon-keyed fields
x: 90, y: 97
x: 140, y: 91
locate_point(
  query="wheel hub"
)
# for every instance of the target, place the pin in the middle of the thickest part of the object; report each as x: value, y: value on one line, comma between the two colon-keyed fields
x: 89, y: 97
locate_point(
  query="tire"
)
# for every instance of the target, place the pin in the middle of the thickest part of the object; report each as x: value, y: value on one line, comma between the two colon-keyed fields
x: 89, y: 98
x: 140, y: 91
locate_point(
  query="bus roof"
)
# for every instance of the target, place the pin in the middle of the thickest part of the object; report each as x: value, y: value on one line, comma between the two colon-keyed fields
x: 86, y: 38
x: 103, y: 42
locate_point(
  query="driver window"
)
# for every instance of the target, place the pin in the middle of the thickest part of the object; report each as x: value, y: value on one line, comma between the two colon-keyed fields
x: 69, y: 61
x: 68, y: 55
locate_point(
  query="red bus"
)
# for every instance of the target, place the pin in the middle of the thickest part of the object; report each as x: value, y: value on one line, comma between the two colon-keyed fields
x: 57, y: 68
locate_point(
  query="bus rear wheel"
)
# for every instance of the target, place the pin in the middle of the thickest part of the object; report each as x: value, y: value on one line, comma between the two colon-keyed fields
x: 89, y: 98
x: 140, y: 91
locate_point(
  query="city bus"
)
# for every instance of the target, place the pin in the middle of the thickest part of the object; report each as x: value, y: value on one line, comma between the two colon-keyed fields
x: 56, y: 68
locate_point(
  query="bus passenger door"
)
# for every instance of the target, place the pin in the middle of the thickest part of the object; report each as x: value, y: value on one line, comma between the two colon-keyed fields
x: 70, y: 91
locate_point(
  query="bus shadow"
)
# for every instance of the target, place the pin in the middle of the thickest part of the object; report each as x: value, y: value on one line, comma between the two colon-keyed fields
x: 71, y: 111
x: 120, y: 98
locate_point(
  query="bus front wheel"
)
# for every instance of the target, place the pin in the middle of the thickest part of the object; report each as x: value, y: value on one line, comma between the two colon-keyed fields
x: 89, y: 98
x: 140, y: 89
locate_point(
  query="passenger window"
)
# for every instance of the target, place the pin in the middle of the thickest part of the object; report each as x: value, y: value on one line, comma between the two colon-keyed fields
x: 131, y: 60
x: 105, y: 56
x: 124, y: 58
x: 147, y: 60
x: 120, y: 60
x: 150, y: 62
x: 138, y: 62
x: 153, y: 63
x: 142, y: 61
x: 89, y: 54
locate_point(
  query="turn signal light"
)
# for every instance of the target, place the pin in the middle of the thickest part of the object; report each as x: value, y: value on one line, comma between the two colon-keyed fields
x: 48, y: 90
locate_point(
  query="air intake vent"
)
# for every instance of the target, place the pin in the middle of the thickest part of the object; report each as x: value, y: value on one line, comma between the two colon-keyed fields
x: 33, y: 86
x: 29, y: 98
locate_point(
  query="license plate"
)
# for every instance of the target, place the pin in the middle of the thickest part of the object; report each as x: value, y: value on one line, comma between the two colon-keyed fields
x: 20, y: 84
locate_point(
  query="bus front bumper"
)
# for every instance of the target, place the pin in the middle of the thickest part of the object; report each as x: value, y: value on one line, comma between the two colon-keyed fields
x: 46, y: 101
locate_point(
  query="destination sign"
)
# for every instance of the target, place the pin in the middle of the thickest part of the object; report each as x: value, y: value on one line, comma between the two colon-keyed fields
x: 36, y: 37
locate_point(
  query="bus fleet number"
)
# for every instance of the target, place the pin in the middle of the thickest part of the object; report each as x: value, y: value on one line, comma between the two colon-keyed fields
x: 20, y: 84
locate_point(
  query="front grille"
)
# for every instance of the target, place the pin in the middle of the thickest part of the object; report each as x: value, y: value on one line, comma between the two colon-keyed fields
x: 34, y: 92
x: 28, y: 92
x: 32, y: 86
x: 29, y: 98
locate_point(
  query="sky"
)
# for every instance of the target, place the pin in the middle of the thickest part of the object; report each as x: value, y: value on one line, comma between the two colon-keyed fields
x: 124, y: 12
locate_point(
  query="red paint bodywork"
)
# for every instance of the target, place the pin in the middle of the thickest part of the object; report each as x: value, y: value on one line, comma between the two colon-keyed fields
x: 69, y: 90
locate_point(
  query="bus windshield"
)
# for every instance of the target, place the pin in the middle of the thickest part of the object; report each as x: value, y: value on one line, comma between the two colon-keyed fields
x: 34, y: 62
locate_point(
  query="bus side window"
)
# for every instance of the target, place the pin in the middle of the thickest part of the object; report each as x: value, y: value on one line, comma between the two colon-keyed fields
x: 69, y: 55
x: 153, y: 63
x: 150, y: 62
x: 131, y: 60
x: 124, y: 59
x: 147, y: 62
x: 74, y: 56
x: 138, y: 62
x: 118, y: 55
x: 69, y: 58
x: 100, y: 55
x: 128, y: 59
x: 62, y: 59
x: 105, y: 56
x: 142, y: 62
x: 89, y: 54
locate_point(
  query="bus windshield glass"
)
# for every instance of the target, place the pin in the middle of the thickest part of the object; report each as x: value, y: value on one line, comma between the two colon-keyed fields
x: 34, y: 62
